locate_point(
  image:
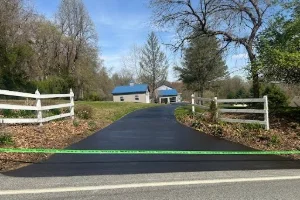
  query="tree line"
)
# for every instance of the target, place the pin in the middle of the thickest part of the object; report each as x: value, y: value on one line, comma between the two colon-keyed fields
x: 55, y: 55
x: 52, y: 56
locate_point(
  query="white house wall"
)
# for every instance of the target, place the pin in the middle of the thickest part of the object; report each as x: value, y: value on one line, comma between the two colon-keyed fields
x: 130, y: 98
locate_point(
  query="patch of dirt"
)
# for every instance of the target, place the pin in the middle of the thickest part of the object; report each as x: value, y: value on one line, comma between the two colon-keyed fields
x: 55, y: 134
x: 284, y: 134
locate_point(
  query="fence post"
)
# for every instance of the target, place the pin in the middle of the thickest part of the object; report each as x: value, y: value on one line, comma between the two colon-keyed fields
x: 266, y: 109
x: 193, y: 102
x: 216, y: 104
x: 39, y: 107
x: 72, y: 104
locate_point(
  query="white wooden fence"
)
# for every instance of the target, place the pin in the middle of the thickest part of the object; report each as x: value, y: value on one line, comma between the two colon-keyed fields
x: 264, y: 111
x: 38, y: 107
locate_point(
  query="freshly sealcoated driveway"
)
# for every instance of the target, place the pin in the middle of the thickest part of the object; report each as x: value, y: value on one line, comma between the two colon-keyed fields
x: 151, y: 129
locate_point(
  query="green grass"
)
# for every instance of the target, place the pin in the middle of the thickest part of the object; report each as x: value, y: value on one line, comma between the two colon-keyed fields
x: 106, y: 111
x: 184, y: 111
x: 6, y: 139
x: 254, y: 126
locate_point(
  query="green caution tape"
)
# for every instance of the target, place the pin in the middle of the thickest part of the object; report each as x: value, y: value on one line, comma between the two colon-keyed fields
x: 157, y: 152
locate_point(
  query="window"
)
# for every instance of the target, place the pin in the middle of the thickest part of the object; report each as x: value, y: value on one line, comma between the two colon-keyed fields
x: 121, y: 98
x: 136, y: 97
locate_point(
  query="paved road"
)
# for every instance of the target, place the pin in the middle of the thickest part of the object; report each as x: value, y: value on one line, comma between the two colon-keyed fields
x: 151, y: 129
x: 259, y: 191
x: 262, y: 184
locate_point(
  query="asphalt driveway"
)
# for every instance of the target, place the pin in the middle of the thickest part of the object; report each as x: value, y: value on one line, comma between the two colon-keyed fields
x: 151, y: 129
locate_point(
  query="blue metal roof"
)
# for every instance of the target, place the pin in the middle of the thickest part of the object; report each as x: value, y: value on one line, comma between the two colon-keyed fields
x: 127, y: 89
x: 163, y: 93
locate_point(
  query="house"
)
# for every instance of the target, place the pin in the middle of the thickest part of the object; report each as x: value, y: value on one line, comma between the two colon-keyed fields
x: 167, y: 94
x: 131, y: 93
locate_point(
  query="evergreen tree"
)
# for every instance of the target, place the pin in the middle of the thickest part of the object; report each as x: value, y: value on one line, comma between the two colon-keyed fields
x: 202, y: 63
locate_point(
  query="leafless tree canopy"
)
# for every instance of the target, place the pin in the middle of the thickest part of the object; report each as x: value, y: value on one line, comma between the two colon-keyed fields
x: 232, y: 21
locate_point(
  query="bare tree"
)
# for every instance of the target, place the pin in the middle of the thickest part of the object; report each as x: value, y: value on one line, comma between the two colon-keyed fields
x: 75, y: 23
x: 15, y: 51
x: 153, y: 65
x: 131, y: 63
x: 232, y: 21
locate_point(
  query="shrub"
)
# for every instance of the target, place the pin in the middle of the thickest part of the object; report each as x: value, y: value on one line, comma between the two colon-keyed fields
x: 92, y: 125
x: 5, y: 139
x: 274, y: 140
x: 55, y: 111
x: 276, y: 97
x: 7, y: 113
x: 25, y: 113
x: 17, y: 113
x: 54, y: 85
x: 93, y: 97
x: 230, y: 95
x: 217, y: 130
x: 75, y: 123
x: 84, y: 112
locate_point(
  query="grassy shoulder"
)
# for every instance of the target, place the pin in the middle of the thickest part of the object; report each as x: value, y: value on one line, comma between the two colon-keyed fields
x: 283, y: 135
x: 89, y: 117
x: 107, y: 111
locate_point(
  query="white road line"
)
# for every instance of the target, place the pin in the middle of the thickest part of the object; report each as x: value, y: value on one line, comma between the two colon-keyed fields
x: 141, y: 185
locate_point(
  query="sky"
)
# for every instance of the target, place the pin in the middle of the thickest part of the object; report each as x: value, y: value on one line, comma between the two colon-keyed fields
x: 121, y: 24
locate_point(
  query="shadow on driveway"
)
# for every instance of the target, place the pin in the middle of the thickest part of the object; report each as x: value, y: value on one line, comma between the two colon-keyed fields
x: 151, y: 129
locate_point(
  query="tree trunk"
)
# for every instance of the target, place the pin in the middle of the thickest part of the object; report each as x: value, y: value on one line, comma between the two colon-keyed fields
x: 254, y: 72
x: 201, y: 90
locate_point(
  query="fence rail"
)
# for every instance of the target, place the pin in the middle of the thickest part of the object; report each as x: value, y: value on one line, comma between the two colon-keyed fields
x: 241, y: 111
x: 240, y: 100
x: 38, y: 107
x: 199, y: 105
x: 264, y: 111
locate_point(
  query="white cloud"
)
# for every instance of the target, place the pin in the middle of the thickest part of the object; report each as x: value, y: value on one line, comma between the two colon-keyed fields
x: 240, y: 56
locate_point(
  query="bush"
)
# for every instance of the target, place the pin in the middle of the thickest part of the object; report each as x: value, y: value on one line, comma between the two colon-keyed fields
x: 5, y: 139
x: 275, y: 140
x: 56, y: 111
x: 276, y: 97
x: 93, y: 97
x: 26, y: 113
x: 54, y: 85
x: 92, y: 125
x: 7, y: 113
x: 17, y: 113
x: 217, y: 130
x: 75, y: 123
x: 84, y: 111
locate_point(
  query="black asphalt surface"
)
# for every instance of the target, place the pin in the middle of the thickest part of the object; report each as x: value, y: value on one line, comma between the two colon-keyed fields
x: 151, y: 129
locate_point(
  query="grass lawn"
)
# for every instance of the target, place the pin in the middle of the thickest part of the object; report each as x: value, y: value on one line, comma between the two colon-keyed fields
x: 107, y: 111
